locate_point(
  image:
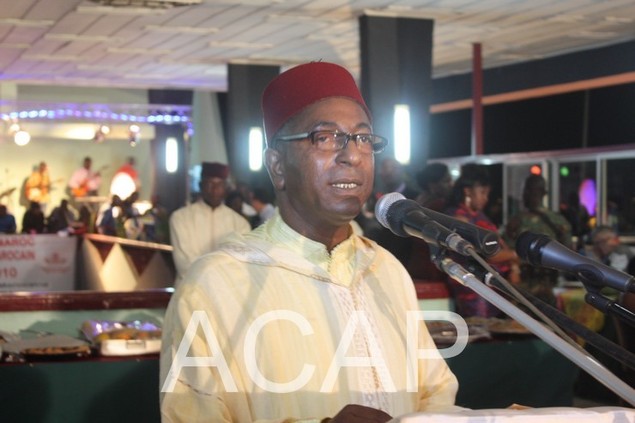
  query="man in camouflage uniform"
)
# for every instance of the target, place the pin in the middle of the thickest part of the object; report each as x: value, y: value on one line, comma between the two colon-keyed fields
x: 538, y: 219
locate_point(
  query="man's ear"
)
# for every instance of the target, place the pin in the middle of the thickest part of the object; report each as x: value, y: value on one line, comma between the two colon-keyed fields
x: 275, y: 168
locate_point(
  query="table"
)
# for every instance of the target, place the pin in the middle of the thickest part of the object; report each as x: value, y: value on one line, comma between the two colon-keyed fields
x: 85, y: 390
x: 524, y: 370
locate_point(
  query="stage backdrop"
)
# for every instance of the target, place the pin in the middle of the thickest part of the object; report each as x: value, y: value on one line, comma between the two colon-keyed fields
x: 37, y: 263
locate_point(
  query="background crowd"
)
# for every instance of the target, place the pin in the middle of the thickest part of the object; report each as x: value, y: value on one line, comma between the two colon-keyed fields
x: 243, y: 207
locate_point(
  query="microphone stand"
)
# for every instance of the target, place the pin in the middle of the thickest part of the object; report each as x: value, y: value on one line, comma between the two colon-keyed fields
x: 584, y: 361
x: 597, y: 300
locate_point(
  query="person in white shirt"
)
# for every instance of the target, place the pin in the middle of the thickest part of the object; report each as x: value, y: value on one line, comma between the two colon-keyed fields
x: 302, y: 320
x: 85, y: 181
x: 199, y: 228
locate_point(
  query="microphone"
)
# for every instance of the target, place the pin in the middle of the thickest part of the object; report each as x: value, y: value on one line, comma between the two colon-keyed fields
x: 540, y: 250
x: 407, y: 218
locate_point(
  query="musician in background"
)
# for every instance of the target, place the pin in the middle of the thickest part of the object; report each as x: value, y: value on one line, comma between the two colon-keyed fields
x: 126, y: 179
x: 84, y: 181
x: 38, y: 186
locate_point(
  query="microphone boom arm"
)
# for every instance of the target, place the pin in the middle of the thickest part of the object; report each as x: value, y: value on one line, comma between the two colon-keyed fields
x: 584, y: 361
x: 607, y: 306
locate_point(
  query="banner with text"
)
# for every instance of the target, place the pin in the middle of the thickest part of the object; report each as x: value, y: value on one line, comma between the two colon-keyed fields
x: 37, y: 263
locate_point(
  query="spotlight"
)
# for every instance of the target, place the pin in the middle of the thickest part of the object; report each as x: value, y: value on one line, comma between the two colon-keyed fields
x: 22, y: 138
x: 134, y: 135
x: 100, y: 133
x: 13, y: 128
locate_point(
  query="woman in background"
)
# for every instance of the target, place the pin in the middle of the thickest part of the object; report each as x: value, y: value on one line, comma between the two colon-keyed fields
x: 470, y: 195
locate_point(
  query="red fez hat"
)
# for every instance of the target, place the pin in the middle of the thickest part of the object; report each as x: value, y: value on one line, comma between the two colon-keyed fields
x: 214, y: 170
x: 301, y: 86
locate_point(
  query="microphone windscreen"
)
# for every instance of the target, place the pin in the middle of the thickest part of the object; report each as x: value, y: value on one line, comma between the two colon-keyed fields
x: 382, y: 206
x: 529, y: 245
x: 523, y: 243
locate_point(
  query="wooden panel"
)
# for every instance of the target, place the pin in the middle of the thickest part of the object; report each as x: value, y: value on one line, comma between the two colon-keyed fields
x: 84, y: 300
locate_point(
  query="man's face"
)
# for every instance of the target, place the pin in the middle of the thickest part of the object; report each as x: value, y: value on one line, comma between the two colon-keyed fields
x: 213, y: 191
x: 606, y: 243
x: 443, y: 188
x: 326, y: 189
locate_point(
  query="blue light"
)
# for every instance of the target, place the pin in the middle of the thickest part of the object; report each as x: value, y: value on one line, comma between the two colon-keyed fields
x: 104, y: 115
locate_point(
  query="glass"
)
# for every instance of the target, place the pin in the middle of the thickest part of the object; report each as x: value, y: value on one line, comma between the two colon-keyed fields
x: 577, y: 197
x: 335, y: 141
x: 619, y: 209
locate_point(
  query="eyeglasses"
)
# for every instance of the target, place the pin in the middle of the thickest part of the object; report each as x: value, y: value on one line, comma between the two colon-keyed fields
x: 335, y: 141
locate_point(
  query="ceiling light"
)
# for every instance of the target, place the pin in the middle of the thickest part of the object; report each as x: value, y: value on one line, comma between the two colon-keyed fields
x: 303, y: 19
x: 591, y: 35
x: 20, y: 46
x: 53, y: 58
x: 181, y: 29
x: 134, y: 135
x: 618, y: 19
x: 26, y: 22
x: 110, y: 10
x: 81, y: 37
x: 150, y: 4
x: 240, y: 44
x: 139, y: 51
x: 145, y: 76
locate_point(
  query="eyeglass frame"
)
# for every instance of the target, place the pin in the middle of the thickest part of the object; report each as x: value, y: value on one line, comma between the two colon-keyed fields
x: 349, y: 136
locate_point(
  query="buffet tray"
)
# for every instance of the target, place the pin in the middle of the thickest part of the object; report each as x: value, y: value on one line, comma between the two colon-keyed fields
x: 47, y: 347
x: 114, y: 338
x: 120, y: 347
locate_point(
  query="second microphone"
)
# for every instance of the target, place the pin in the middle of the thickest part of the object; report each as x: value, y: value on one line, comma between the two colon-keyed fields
x: 407, y: 218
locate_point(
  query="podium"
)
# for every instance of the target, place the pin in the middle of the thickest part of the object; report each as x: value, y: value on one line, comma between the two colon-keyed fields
x: 530, y: 415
